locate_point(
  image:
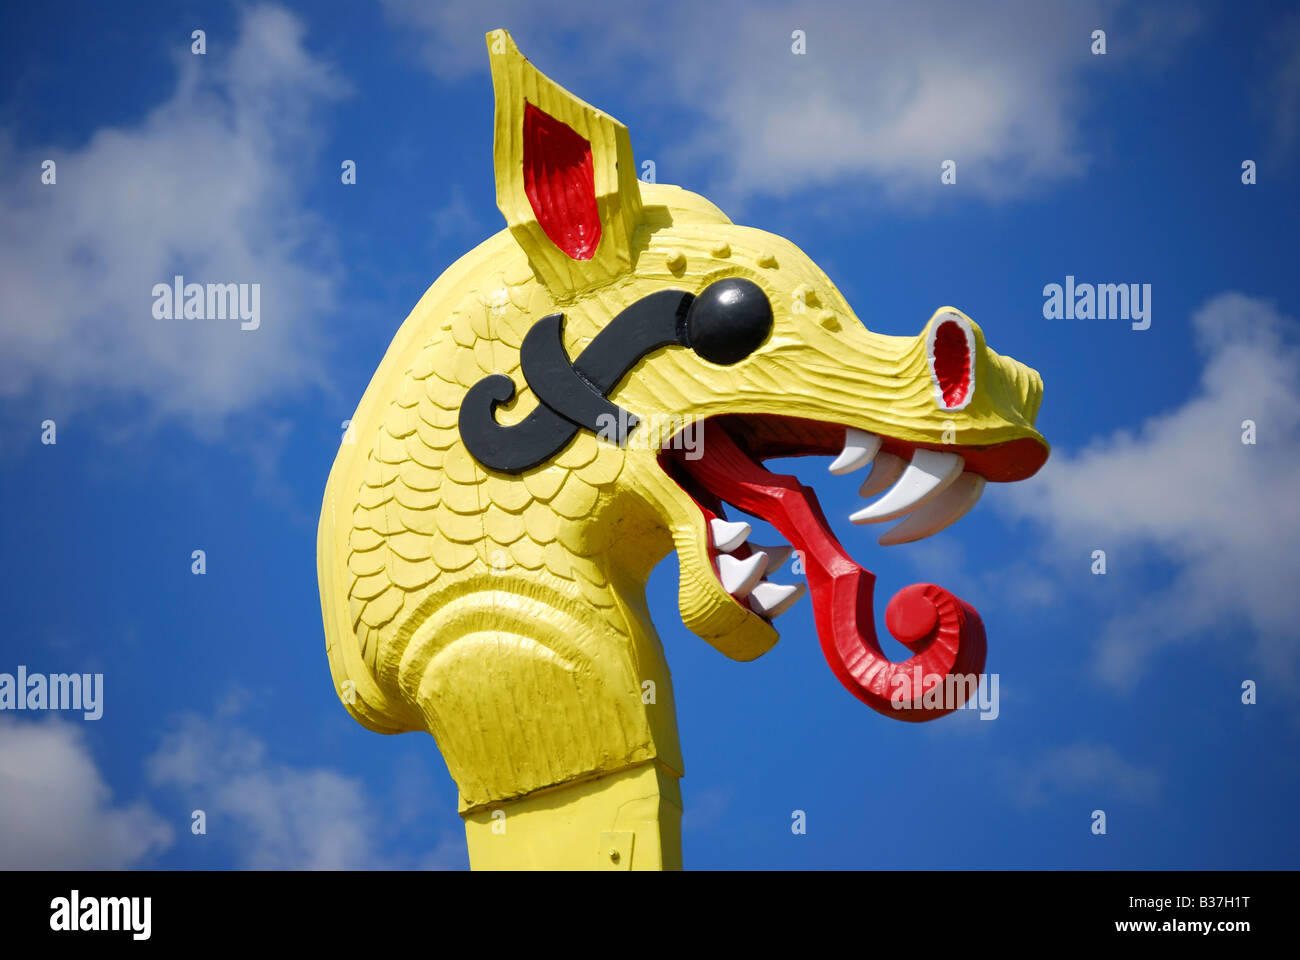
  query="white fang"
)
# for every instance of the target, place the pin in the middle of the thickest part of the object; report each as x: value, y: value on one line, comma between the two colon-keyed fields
x: 886, y: 471
x: 859, y: 449
x: 774, y: 599
x: 927, y: 474
x: 739, y: 577
x: 943, y: 511
x: 728, y: 535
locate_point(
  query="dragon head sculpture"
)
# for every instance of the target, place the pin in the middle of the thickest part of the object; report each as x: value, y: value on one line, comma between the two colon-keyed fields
x: 584, y: 391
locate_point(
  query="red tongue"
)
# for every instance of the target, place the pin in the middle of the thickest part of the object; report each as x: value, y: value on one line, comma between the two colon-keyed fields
x: 944, y: 633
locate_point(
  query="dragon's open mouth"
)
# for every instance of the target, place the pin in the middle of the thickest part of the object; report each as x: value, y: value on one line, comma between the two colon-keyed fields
x: 929, y: 486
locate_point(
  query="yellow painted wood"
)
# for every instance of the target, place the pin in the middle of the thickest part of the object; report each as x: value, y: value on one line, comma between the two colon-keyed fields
x: 630, y: 820
x: 618, y: 200
x: 506, y: 615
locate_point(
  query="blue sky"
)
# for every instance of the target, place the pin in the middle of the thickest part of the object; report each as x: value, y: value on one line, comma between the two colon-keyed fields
x: 1120, y: 692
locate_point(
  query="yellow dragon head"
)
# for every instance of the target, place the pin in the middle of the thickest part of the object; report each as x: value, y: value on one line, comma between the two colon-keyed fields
x: 576, y: 396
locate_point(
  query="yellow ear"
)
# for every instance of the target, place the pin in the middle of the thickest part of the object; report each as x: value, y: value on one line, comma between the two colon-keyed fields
x: 566, y: 179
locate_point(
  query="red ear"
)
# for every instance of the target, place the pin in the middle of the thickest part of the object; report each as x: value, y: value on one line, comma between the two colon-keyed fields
x: 560, y: 183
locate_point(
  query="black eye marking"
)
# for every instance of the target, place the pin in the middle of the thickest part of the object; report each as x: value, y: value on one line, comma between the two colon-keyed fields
x: 724, y: 324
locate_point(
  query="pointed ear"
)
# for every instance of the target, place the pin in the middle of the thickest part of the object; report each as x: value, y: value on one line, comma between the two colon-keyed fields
x: 566, y: 179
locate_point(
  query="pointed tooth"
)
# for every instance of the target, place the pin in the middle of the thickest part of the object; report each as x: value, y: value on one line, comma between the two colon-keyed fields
x: 943, y: 511
x: 739, y: 577
x: 859, y: 449
x: 928, y: 473
x: 884, y: 473
x: 728, y: 534
x: 776, y: 556
x: 774, y: 599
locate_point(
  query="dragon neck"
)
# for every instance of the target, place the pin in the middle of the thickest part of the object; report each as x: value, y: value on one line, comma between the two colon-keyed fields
x: 539, y: 664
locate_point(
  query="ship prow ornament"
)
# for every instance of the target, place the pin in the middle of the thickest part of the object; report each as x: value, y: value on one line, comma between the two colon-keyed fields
x: 514, y: 472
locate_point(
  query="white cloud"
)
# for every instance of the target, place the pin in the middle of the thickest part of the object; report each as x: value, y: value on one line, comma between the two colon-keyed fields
x: 203, y: 186
x: 280, y: 816
x: 1094, y: 770
x: 56, y: 811
x: 1183, y: 487
x: 275, y: 815
x: 884, y: 94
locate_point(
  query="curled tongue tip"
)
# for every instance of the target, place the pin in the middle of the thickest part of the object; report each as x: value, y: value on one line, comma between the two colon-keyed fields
x: 947, y: 638
x: 910, y: 615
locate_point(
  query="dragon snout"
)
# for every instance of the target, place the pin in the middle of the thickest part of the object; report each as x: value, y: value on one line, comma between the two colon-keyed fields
x: 1020, y: 383
x: 979, y: 398
x: 962, y: 368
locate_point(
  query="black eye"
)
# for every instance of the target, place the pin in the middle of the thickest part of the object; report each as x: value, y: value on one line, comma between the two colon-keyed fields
x: 728, y: 320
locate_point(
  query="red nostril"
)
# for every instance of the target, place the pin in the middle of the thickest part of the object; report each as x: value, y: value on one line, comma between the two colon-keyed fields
x: 950, y: 362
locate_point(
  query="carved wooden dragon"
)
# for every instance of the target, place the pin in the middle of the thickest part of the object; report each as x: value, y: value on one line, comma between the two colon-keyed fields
x: 507, y: 485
